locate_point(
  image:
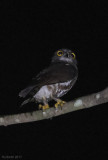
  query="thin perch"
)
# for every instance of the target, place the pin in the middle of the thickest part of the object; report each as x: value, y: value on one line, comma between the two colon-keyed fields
x: 77, y: 104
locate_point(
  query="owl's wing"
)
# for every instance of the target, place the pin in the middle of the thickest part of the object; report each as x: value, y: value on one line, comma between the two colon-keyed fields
x: 56, y: 73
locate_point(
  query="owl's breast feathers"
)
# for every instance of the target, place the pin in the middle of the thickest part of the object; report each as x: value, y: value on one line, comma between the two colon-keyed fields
x: 57, y: 73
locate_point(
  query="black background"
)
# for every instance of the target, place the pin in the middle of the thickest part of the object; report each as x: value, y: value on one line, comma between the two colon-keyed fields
x: 30, y: 33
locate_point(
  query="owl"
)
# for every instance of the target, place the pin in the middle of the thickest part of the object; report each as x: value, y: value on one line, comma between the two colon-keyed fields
x: 54, y: 81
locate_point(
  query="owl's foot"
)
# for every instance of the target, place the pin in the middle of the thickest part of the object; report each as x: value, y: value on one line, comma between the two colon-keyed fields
x: 43, y: 107
x: 59, y: 103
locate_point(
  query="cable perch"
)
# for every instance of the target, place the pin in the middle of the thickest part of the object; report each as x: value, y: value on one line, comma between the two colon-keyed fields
x: 77, y: 104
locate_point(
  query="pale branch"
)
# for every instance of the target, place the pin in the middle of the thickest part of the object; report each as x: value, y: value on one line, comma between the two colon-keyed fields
x: 77, y: 104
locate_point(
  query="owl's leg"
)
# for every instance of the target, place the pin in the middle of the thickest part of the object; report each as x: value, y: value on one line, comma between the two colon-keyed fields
x: 59, y: 102
x: 45, y: 106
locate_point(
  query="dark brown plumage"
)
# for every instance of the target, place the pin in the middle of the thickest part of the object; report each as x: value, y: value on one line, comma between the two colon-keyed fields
x: 54, y: 81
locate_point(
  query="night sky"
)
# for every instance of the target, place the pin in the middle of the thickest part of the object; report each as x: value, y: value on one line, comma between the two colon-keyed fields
x: 29, y: 35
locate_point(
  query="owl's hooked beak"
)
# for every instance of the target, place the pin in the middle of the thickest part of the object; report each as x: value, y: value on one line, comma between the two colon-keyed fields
x: 68, y: 55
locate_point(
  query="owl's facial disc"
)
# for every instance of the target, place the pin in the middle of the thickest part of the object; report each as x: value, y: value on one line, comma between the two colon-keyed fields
x: 64, y: 55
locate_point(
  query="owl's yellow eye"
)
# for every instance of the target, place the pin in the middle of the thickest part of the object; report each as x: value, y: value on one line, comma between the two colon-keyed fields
x: 73, y: 55
x: 59, y: 53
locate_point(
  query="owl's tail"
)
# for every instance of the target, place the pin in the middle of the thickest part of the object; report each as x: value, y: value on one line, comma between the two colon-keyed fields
x: 27, y: 101
x: 26, y: 91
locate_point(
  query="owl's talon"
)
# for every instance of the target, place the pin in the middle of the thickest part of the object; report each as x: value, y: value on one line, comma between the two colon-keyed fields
x: 43, y: 107
x: 40, y: 106
x: 59, y: 103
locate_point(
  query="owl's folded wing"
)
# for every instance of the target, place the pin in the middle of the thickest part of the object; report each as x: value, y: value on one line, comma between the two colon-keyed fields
x: 56, y: 73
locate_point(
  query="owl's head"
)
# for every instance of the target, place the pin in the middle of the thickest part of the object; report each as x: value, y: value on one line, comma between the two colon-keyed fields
x: 64, y: 55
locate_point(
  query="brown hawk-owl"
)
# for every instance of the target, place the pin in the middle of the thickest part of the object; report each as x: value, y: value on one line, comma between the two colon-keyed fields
x: 54, y: 81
